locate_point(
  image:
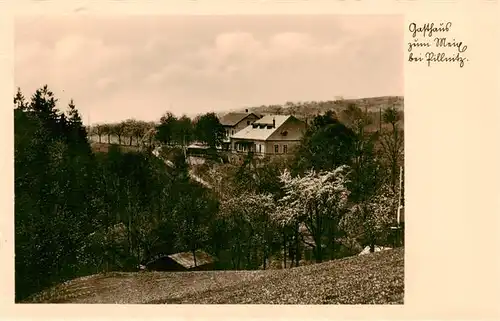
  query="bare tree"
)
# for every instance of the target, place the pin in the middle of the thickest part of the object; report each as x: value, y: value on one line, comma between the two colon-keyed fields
x: 98, y: 130
x: 119, y: 129
x: 392, y: 142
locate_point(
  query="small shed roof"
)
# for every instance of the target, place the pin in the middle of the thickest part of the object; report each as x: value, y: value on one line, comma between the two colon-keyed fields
x: 186, y: 259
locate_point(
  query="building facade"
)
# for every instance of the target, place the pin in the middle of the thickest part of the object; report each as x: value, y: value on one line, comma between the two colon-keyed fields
x: 270, y: 135
x: 234, y: 122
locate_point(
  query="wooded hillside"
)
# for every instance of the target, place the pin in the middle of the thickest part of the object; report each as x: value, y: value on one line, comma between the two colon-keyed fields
x: 79, y: 212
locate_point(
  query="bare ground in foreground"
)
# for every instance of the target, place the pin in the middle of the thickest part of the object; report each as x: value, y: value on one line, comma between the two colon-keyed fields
x: 376, y: 278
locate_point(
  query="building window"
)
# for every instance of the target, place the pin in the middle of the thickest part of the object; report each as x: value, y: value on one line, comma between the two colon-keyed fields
x: 260, y: 148
x: 232, y: 132
x: 285, y: 149
x: 248, y: 122
x: 276, y: 149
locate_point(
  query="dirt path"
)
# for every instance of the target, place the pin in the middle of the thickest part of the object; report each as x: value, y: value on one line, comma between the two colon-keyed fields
x: 195, y: 177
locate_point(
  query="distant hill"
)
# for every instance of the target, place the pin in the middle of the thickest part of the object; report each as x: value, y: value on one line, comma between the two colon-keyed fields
x: 372, y: 104
x: 309, y: 109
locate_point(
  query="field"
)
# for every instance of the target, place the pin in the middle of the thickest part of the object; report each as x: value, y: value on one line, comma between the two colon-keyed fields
x: 104, y: 147
x: 376, y: 278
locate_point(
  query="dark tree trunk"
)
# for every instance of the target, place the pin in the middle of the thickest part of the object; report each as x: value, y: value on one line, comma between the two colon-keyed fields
x: 318, y: 249
x: 194, y: 257
x: 333, y: 232
x: 249, y: 261
x: 316, y: 235
x: 284, y: 249
x: 393, y: 174
x: 297, y: 252
x: 233, y: 261
x: 264, y: 252
x: 332, y: 255
x: 239, y: 256
x: 291, y: 254
x: 109, y: 139
x: 318, y: 255
x: 129, y: 225
x: 130, y: 141
x: 100, y: 138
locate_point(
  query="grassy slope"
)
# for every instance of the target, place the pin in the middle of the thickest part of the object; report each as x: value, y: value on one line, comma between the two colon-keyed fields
x: 370, y: 279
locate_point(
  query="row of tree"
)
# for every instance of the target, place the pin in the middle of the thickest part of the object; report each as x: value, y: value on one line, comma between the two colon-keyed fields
x: 79, y: 213
x: 125, y: 131
x: 169, y: 131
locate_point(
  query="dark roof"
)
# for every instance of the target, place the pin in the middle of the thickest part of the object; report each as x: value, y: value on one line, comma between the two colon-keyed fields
x: 231, y: 119
x: 184, y: 259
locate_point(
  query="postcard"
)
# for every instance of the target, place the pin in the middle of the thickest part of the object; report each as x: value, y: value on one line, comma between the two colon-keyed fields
x: 250, y: 159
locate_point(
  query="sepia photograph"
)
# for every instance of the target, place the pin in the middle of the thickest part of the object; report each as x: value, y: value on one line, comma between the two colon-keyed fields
x: 209, y: 159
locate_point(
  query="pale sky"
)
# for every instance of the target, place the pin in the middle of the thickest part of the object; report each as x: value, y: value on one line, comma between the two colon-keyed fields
x: 142, y: 66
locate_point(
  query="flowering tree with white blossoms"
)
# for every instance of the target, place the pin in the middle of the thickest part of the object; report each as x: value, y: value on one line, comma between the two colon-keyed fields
x: 248, y: 218
x: 316, y: 200
x: 371, y: 219
x: 287, y: 220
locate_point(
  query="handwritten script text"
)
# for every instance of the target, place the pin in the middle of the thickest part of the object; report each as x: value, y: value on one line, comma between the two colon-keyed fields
x: 431, y: 44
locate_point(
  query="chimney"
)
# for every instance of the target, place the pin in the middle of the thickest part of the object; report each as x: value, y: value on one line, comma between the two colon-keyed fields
x: 246, y: 110
x: 274, y: 122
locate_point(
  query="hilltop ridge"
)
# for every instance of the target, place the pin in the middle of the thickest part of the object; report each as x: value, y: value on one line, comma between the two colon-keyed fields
x: 311, y: 108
